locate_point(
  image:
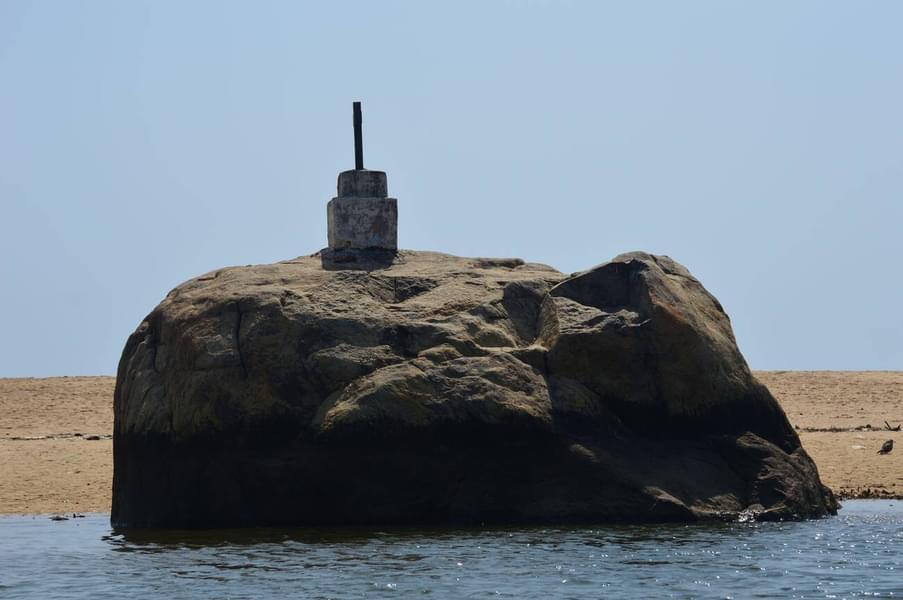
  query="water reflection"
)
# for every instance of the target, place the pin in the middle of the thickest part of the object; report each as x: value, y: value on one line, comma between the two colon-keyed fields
x: 851, y: 555
x: 129, y: 539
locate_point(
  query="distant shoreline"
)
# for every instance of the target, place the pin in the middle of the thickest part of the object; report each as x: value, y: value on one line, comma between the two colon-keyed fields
x: 57, y: 451
x: 867, y: 494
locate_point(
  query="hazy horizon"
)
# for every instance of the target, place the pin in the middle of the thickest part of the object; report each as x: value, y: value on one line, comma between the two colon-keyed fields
x: 758, y: 144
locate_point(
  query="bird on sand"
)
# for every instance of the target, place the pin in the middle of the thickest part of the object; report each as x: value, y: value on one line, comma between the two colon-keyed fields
x: 886, y: 447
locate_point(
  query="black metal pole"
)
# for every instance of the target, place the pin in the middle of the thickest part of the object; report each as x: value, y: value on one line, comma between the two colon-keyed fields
x: 358, y: 138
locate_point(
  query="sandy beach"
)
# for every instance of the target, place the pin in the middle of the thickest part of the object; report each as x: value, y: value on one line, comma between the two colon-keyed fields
x: 840, y: 417
x: 56, y: 451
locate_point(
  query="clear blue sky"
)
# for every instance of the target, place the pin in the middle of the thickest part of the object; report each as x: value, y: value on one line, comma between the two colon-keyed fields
x: 759, y: 143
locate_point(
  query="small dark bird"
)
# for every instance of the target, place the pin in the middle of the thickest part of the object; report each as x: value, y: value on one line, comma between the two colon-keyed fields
x: 886, y: 447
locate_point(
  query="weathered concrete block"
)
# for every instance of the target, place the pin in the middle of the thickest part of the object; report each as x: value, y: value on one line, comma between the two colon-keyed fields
x: 362, y: 216
x: 362, y: 184
x: 362, y: 223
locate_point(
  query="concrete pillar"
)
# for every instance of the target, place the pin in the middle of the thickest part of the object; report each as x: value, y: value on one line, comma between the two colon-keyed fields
x: 362, y: 215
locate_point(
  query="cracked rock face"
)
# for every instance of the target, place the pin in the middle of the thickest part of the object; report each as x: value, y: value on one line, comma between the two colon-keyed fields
x: 366, y: 387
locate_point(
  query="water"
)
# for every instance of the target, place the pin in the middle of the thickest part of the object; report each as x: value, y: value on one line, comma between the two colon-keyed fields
x: 857, y: 554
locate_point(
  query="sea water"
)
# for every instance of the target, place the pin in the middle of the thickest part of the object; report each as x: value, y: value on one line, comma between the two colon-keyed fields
x: 859, y: 553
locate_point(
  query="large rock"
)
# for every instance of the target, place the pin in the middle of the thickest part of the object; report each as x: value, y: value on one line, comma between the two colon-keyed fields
x: 368, y: 387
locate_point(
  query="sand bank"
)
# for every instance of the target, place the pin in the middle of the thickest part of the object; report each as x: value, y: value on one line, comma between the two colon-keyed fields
x: 56, y: 452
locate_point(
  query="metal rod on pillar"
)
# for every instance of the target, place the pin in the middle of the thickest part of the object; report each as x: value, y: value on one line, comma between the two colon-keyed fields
x: 358, y: 138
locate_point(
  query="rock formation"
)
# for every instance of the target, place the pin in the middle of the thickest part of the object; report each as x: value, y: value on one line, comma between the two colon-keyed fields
x: 369, y: 387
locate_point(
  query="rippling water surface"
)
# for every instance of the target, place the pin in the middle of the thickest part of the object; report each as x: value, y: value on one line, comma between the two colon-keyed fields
x: 857, y: 554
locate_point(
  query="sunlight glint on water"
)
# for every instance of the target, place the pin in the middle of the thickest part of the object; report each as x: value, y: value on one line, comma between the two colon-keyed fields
x: 857, y: 554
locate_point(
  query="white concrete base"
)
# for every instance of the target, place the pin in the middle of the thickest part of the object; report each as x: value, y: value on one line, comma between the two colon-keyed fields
x: 361, y: 223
